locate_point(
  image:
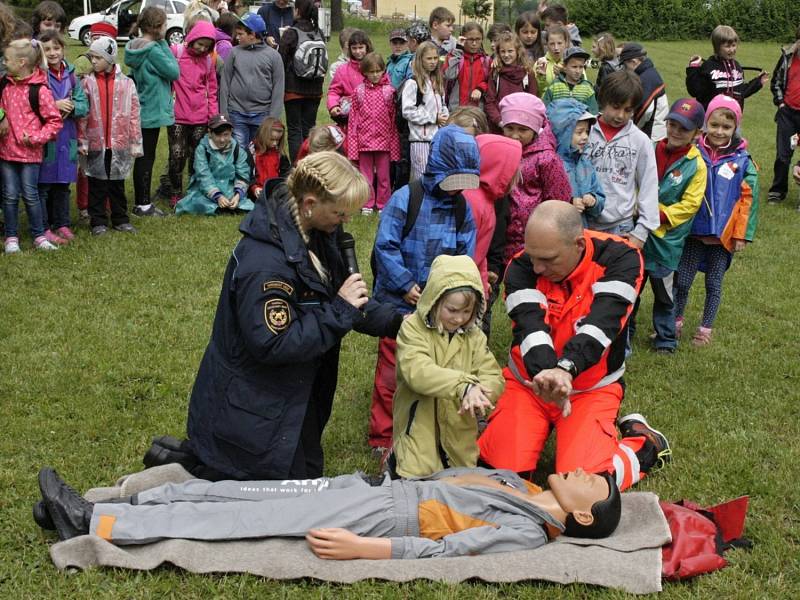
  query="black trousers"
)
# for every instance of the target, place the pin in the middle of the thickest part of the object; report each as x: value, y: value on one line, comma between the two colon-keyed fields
x: 143, y: 166
x: 111, y: 190
x: 788, y: 122
x: 301, y: 116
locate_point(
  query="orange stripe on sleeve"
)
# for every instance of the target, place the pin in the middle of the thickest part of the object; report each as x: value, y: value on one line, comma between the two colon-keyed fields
x: 104, y: 526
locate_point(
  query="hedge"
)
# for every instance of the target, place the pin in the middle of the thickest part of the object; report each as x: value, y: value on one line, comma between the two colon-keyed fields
x: 687, y: 19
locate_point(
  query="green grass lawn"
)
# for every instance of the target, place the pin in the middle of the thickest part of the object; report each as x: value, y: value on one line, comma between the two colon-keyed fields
x: 101, y: 341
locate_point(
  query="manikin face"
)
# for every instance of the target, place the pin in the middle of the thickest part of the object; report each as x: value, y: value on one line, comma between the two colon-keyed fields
x: 515, y: 131
x: 617, y: 115
x: 54, y: 53
x: 552, y: 257
x: 678, y: 136
x: 581, y: 135
x: 221, y: 137
x: 727, y: 51
x: 325, y: 216
x: 508, y: 53
x: 442, y: 30
x: 455, y: 310
x: 556, y: 44
x: 473, y: 41
x: 374, y: 74
x: 358, y: 51
x: 578, y: 490
x: 528, y: 34
x: 573, y: 70
x: 430, y: 61
x: 720, y: 128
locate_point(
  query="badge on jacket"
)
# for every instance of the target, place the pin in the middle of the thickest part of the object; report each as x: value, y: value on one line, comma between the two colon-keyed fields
x: 276, y: 315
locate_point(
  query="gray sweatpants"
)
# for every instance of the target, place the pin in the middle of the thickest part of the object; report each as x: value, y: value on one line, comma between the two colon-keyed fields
x: 233, y: 510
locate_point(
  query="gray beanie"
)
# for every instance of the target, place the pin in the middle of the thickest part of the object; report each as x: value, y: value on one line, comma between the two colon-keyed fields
x: 104, y: 47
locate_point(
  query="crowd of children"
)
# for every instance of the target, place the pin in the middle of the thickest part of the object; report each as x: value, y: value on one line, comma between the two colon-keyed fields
x: 458, y: 142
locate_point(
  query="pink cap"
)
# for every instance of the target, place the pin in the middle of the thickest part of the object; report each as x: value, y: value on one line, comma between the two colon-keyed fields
x: 523, y: 109
x: 723, y: 101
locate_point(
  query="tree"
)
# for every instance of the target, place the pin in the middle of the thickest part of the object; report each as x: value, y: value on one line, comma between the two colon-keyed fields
x: 337, y: 20
x: 478, y: 10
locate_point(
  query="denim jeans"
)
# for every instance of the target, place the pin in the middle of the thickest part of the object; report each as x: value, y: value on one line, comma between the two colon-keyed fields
x: 21, y: 179
x: 661, y: 282
x: 245, y: 126
x: 55, y: 205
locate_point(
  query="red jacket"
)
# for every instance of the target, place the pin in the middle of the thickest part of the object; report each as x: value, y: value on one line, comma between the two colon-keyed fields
x: 23, y: 121
x: 581, y: 318
x: 464, y: 73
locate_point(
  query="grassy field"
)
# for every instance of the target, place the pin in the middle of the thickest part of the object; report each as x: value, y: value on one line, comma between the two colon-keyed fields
x: 101, y: 341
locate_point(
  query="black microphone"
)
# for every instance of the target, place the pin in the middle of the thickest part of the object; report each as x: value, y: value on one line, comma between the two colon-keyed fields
x: 347, y: 246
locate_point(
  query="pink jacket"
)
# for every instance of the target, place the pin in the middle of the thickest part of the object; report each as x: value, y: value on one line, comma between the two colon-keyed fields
x: 542, y: 178
x: 196, y: 88
x: 126, y: 129
x: 371, y: 126
x: 345, y: 81
x: 500, y: 159
x: 23, y: 121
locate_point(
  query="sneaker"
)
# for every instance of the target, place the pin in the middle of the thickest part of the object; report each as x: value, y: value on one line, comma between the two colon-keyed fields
x: 66, y: 233
x: 125, y: 228
x: 775, y: 198
x: 11, y: 245
x: 55, y: 239
x: 678, y: 327
x: 664, y: 351
x: 702, y: 337
x: 99, y: 230
x: 41, y: 243
x: 153, y: 211
x: 366, y: 211
x: 635, y: 425
x: 83, y: 214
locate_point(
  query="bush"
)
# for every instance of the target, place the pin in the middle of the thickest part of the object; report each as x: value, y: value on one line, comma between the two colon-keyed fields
x: 687, y: 19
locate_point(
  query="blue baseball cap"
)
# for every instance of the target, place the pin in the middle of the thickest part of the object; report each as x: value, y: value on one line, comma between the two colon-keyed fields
x: 254, y: 23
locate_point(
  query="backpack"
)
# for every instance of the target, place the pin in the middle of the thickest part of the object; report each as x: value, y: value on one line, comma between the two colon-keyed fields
x: 248, y: 156
x: 416, y: 193
x: 33, y: 97
x: 700, y: 536
x: 310, y: 60
x: 399, y: 119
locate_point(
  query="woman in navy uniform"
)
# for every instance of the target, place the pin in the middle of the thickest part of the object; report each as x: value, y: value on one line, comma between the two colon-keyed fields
x: 265, y: 386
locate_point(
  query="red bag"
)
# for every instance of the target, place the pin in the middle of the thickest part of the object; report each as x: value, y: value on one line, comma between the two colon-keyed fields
x: 700, y: 536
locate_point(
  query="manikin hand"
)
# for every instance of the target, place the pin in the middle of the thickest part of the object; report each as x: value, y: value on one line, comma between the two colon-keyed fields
x: 335, y: 543
x: 354, y: 291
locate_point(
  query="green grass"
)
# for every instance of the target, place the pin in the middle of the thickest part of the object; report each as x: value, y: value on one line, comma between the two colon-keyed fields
x: 101, y: 341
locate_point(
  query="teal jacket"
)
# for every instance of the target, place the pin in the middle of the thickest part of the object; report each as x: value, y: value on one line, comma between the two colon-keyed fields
x: 153, y: 68
x: 216, y: 172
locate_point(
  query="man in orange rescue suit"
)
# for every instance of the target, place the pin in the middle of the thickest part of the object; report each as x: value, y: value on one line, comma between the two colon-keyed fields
x: 569, y: 295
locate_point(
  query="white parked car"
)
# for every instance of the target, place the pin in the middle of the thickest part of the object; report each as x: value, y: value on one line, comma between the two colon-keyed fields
x: 123, y: 15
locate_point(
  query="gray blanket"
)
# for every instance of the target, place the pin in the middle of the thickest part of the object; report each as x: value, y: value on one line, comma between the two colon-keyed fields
x: 629, y: 560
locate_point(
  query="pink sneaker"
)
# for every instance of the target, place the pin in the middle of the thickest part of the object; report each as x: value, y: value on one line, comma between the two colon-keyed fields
x: 54, y: 239
x: 66, y: 233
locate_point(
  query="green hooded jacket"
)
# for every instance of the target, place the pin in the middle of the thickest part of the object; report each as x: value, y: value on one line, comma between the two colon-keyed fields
x: 153, y: 68
x: 434, y: 370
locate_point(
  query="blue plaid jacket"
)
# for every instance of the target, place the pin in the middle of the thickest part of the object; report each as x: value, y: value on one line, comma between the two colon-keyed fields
x: 403, y: 262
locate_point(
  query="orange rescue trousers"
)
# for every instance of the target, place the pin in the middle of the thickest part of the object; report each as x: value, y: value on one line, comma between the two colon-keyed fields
x: 520, y: 425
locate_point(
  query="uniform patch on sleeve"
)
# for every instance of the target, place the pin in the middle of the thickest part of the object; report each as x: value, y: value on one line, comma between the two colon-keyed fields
x: 277, y: 285
x: 276, y: 315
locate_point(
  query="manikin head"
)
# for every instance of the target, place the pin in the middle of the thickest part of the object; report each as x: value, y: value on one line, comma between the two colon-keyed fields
x: 554, y: 239
x: 591, y: 502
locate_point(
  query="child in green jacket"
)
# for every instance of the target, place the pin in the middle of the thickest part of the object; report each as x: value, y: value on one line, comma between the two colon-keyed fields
x: 446, y: 374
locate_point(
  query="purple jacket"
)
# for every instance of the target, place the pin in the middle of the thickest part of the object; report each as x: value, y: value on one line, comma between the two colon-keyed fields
x: 542, y: 178
x: 60, y: 158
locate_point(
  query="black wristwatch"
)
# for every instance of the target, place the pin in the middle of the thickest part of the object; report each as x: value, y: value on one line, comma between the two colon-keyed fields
x: 567, y: 365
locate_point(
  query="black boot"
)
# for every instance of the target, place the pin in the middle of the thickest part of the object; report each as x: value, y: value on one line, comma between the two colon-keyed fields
x: 70, y: 512
x: 42, y: 517
x: 165, y: 450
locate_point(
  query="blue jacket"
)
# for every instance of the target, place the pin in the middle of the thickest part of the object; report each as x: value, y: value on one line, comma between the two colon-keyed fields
x: 276, y: 17
x: 403, y: 262
x: 563, y: 115
x: 397, y: 66
x: 273, y: 356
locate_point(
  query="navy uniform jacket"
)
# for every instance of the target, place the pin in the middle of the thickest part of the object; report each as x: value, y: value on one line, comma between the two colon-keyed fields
x: 273, y: 355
